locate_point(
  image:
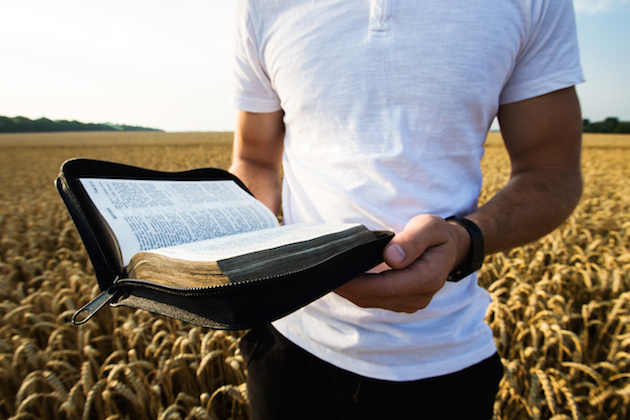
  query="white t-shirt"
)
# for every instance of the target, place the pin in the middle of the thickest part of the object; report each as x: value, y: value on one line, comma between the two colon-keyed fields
x: 387, y: 105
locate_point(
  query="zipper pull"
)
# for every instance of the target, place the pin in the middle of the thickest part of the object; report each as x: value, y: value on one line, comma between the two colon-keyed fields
x: 90, y: 309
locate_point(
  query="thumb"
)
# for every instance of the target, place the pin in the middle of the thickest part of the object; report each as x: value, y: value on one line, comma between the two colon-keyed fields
x: 394, y: 255
x: 404, y: 248
x: 418, y: 235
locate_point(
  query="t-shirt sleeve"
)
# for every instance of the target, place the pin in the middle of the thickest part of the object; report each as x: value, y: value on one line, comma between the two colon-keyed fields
x: 549, y: 59
x: 252, y: 87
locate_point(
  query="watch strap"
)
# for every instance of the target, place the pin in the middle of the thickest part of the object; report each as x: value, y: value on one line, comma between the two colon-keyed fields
x: 474, y: 259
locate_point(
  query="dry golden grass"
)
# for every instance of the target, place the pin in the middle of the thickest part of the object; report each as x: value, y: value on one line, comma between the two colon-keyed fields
x: 560, y: 311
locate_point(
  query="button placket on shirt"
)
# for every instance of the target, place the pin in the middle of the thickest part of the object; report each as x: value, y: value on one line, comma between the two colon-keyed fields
x: 380, y: 15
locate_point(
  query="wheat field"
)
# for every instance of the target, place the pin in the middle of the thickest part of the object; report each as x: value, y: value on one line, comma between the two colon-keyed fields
x: 560, y: 311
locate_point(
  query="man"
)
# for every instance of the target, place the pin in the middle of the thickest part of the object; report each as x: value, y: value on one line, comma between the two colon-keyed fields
x: 376, y: 112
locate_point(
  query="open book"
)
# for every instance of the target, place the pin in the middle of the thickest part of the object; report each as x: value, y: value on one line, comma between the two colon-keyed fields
x: 197, y: 246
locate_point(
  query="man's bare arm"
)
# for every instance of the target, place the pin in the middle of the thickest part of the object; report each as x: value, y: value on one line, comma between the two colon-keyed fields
x: 543, y: 139
x: 257, y: 155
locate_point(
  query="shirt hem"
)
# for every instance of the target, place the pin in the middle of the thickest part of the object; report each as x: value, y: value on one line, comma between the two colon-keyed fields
x: 528, y: 91
x: 249, y: 104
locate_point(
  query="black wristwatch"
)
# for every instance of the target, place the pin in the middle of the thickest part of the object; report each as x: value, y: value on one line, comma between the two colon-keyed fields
x: 474, y: 260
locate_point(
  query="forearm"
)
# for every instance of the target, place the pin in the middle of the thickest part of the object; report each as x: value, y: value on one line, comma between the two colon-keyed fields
x: 530, y: 206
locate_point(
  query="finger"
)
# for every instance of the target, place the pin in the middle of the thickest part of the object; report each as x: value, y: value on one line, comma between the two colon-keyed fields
x: 396, y: 290
x: 364, y: 289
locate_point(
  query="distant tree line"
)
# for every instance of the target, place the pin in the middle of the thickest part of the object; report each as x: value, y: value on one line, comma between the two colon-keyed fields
x: 609, y: 125
x: 26, y: 125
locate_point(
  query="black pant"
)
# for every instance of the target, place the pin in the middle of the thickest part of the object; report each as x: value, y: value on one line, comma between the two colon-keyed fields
x: 286, y: 382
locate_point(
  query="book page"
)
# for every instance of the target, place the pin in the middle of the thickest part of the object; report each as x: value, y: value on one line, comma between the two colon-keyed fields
x: 245, y: 243
x: 150, y: 214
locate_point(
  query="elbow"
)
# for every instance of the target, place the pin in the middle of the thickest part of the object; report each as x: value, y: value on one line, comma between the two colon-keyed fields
x: 574, y: 188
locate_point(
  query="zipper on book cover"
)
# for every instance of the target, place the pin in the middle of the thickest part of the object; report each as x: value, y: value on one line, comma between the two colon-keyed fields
x: 217, y: 289
x: 90, y: 309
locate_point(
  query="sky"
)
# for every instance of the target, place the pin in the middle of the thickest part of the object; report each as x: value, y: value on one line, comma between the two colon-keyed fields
x: 166, y: 64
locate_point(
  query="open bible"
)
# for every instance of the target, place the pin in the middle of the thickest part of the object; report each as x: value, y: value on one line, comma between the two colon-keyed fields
x: 197, y: 246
